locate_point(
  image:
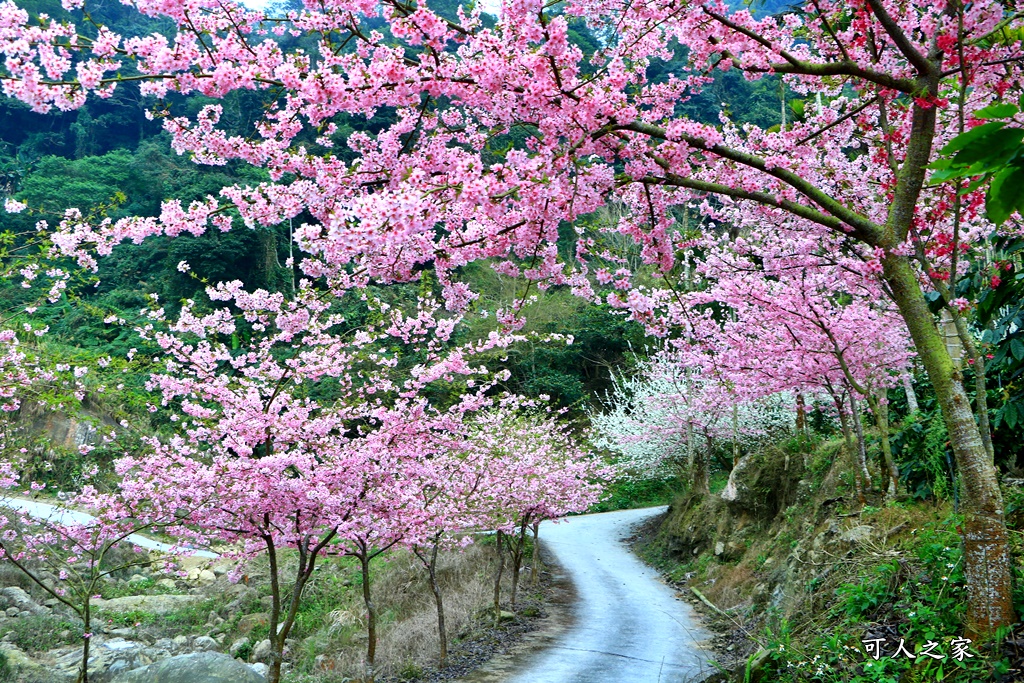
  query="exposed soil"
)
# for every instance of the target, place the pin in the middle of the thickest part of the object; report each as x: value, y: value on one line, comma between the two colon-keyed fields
x: 493, y: 653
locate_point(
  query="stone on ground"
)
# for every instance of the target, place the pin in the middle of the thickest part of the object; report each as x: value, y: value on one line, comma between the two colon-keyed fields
x: 200, y: 667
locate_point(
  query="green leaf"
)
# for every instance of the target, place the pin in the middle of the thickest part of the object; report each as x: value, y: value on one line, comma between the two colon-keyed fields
x: 797, y: 106
x: 974, y: 134
x: 999, y: 110
x: 993, y: 149
x: 1010, y: 415
x: 1004, y: 194
x: 1017, y: 349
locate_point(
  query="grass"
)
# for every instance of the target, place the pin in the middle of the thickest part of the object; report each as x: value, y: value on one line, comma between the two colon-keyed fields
x: 41, y: 633
x: 148, y: 586
x: 638, y: 493
x: 185, y: 621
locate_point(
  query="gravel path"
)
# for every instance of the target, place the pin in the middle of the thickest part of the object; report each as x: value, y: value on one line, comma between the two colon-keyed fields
x: 629, y: 626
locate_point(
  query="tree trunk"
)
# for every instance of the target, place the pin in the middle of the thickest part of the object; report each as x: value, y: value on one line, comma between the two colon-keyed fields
x: 371, y: 617
x: 518, y: 548
x: 801, y: 414
x: 497, y: 576
x: 987, y: 568
x: 535, y: 560
x: 442, y: 633
x: 700, y: 468
x: 735, y: 435
x: 881, y: 410
x: 858, y: 426
x: 83, y: 676
x: 908, y: 389
x: 276, y: 652
x: 851, y: 451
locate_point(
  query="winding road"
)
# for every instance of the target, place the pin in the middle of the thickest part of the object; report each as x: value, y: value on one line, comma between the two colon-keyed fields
x: 629, y: 626
x: 53, y: 513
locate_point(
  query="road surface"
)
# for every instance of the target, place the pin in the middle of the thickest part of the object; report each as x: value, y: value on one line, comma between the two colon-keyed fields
x: 629, y: 626
x: 52, y: 513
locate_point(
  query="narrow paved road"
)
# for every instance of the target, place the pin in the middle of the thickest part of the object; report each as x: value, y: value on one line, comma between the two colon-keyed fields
x: 52, y: 513
x: 629, y: 626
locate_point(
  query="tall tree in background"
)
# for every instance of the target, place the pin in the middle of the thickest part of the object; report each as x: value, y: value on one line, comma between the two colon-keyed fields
x: 447, y: 183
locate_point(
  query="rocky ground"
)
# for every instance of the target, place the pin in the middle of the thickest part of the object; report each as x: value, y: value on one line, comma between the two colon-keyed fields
x: 207, y: 626
x: 128, y: 632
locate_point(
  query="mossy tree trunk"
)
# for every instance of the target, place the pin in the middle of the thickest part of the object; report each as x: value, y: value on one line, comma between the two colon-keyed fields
x: 987, y: 567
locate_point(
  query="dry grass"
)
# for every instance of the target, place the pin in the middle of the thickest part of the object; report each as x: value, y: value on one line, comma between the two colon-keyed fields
x: 467, y: 590
x: 333, y: 640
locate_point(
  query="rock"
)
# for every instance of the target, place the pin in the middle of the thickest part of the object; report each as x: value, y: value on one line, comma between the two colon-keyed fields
x: 506, y: 616
x: 118, y: 644
x: 260, y: 668
x: 761, y: 484
x: 168, y: 584
x: 117, y: 667
x: 23, y: 668
x: 206, y: 577
x: 250, y: 621
x: 200, y: 667
x: 165, y: 644
x: 137, y: 578
x: 204, y: 643
x: 21, y: 601
x: 52, y: 602
x: 153, y: 604
x: 719, y: 548
x: 261, y: 653
x: 267, y: 601
x: 857, y: 534
x: 240, y: 590
x: 12, y: 611
x: 103, y: 657
x: 242, y: 596
x: 239, y: 646
x: 180, y: 641
x: 756, y: 670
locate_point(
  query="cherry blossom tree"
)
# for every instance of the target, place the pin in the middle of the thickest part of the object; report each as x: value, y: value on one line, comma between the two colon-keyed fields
x: 666, y: 418
x: 799, y: 326
x: 891, y: 81
x: 69, y: 553
x: 536, y: 470
x: 261, y: 463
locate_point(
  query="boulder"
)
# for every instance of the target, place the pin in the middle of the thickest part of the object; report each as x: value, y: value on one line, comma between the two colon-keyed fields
x: 22, y: 602
x: 250, y: 621
x: 199, y: 667
x: 205, y: 643
x: 239, y: 646
x: 106, y: 658
x: 153, y: 604
x: 262, y: 651
x: 206, y: 577
x: 23, y: 668
x: 857, y: 534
